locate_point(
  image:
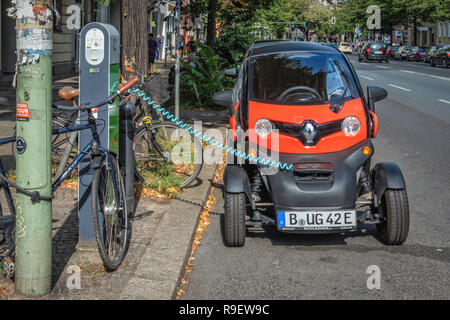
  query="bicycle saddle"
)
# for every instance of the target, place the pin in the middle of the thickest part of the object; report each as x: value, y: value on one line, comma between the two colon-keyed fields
x: 68, y: 93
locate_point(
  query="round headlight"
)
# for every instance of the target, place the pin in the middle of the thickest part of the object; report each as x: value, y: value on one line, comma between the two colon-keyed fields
x: 263, y: 127
x: 351, y: 126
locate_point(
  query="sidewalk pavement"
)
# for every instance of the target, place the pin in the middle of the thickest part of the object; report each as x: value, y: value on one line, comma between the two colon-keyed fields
x: 161, y: 242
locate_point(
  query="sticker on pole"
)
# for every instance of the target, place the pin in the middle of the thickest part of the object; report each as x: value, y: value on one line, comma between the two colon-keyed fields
x: 21, y: 145
x: 22, y: 112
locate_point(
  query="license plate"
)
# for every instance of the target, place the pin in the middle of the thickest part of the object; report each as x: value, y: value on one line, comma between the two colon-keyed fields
x: 317, y: 220
x: 378, y: 52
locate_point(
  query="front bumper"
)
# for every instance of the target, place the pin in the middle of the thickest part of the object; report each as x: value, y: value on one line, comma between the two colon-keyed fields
x: 335, y: 188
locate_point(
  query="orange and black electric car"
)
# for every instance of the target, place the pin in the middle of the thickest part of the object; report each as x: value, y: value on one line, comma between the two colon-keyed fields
x: 301, y: 105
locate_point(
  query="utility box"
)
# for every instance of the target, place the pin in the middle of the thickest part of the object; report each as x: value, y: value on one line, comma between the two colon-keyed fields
x: 99, y: 79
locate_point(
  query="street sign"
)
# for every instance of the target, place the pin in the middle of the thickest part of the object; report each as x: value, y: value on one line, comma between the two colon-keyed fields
x: 358, y: 31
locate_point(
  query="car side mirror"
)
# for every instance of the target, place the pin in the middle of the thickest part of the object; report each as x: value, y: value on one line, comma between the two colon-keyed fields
x: 225, y: 99
x: 231, y: 72
x: 375, y: 94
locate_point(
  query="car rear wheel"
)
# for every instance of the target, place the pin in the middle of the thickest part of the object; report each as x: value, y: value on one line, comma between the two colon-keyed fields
x: 432, y: 63
x: 394, y: 209
x: 234, y: 219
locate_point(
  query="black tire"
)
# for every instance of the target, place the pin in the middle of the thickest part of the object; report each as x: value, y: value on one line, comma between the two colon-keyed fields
x: 234, y: 220
x: 394, y: 209
x: 387, y: 60
x: 359, y: 58
x: 101, y: 189
x: 147, y: 156
x: 432, y: 63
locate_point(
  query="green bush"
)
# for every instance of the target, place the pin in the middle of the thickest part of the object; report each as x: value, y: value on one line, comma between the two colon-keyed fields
x: 233, y: 43
x: 204, y: 79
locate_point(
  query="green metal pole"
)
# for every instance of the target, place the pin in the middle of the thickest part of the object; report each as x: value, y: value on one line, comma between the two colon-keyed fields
x: 33, y: 162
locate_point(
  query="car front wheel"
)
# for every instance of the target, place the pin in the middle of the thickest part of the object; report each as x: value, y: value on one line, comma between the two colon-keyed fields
x: 234, y: 227
x: 394, y: 210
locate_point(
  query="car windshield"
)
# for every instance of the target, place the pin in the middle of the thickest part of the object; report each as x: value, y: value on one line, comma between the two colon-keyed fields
x: 298, y: 78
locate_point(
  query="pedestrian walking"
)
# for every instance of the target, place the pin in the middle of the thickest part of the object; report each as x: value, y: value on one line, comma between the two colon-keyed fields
x: 152, y: 49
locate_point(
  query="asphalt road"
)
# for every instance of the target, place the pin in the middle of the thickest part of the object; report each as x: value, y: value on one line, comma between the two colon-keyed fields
x: 415, y: 133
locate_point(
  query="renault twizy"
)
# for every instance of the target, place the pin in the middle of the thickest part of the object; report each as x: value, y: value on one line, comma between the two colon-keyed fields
x: 307, y: 108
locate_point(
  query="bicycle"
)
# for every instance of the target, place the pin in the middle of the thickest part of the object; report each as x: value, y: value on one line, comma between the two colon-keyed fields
x: 161, y: 143
x: 112, y: 227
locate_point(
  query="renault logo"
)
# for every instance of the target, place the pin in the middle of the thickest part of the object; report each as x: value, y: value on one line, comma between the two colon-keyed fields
x: 310, y: 132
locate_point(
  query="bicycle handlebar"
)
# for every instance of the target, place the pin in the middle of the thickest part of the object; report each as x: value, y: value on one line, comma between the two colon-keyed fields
x: 130, y: 83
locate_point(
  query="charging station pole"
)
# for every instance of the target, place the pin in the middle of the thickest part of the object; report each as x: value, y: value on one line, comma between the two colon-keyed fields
x: 99, y: 77
x: 34, y: 147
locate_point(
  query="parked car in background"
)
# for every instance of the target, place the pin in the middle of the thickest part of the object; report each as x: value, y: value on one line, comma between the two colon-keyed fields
x: 427, y: 56
x: 416, y: 54
x: 441, y: 56
x: 345, y: 47
x: 402, y: 52
x: 377, y: 51
x: 392, y: 50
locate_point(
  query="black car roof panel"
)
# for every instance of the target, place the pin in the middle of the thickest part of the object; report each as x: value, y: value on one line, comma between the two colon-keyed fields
x: 274, y: 46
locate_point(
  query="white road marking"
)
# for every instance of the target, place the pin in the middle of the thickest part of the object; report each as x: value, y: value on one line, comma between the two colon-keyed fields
x: 437, y: 77
x: 382, y: 67
x: 444, y: 101
x: 401, y: 88
x: 408, y: 71
x: 426, y: 74
x: 367, y: 78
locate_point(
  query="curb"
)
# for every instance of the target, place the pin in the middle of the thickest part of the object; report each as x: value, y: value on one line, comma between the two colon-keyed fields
x: 161, y: 266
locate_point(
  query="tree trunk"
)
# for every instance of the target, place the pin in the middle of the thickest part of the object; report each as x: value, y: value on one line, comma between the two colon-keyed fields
x: 415, y: 32
x: 211, y: 36
x: 134, y: 36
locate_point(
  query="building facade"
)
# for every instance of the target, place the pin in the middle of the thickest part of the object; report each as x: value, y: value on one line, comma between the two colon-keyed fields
x: 65, y: 41
x: 427, y: 35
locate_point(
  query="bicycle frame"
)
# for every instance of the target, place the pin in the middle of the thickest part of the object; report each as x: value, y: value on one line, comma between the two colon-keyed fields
x: 84, y: 153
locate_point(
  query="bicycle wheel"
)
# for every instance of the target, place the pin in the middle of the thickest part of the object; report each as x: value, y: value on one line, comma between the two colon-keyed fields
x: 166, y: 154
x: 109, y: 212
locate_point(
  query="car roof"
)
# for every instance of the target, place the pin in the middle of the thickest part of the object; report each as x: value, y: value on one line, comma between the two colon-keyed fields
x: 276, y: 46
